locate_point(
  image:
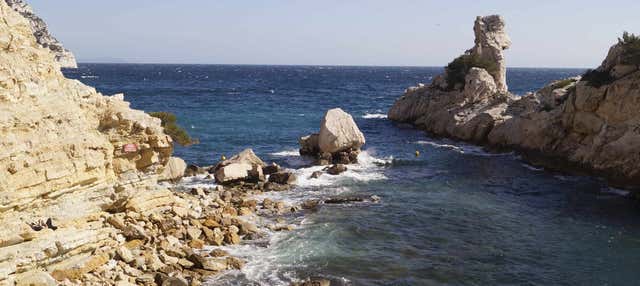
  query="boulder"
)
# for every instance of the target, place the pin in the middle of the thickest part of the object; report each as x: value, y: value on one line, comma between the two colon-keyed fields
x: 309, y: 144
x: 193, y: 170
x: 243, y: 166
x: 479, y: 85
x: 174, y: 170
x: 35, y: 278
x: 283, y: 178
x: 270, y: 169
x: 336, y: 169
x: 313, y: 282
x: 339, y: 132
x: 316, y: 175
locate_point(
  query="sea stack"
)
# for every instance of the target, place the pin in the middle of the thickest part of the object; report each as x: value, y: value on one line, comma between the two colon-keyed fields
x: 339, y: 139
x: 587, y: 122
x: 64, y: 57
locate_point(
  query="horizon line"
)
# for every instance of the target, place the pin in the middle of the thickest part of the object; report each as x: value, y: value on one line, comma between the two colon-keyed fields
x: 310, y: 65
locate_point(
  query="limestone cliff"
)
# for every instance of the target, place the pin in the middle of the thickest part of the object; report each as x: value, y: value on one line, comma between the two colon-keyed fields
x: 62, y: 155
x: 41, y: 32
x: 591, y: 123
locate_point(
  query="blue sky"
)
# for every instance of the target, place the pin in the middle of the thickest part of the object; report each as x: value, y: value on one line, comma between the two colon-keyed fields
x: 333, y: 32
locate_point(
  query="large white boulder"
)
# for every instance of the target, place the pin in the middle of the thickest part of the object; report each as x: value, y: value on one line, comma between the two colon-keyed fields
x: 338, y: 132
x: 174, y: 170
x: 246, y: 165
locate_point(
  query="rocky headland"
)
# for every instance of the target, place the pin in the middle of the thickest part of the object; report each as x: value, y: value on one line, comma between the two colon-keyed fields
x: 64, y: 57
x: 588, y: 123
x: 90, y: 193
x: 80, y: 199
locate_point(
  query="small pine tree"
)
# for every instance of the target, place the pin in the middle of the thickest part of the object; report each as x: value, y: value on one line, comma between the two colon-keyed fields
x: 177, y: 133
x: 631, y: 48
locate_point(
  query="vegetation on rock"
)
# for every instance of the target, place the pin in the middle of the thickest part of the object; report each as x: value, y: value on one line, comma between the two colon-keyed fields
x: 631, y: 49
x: 177, y: 133
x: 458, y: 68
x: 597, y: 78
x: 563, y: 83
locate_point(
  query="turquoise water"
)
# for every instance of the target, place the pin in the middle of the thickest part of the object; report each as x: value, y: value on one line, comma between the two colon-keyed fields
x: 456, y: 215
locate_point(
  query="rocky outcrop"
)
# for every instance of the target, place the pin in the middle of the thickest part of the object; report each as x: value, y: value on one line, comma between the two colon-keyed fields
x: 339, y: 139
x: 64, y: 57
x: 491, y: 40
x: 244, y: 166
x: 338, y: 132
x: 174, y: 170
x: 68, y: 156
x: 589, y: 123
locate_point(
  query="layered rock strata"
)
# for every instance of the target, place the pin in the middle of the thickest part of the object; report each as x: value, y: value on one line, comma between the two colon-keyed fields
x: 590, y: 123
x: 68, y: 156
x: 64, y: 57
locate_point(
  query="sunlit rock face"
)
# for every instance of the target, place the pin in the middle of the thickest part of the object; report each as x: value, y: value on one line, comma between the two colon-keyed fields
x: 63, y: 155
x: 590, y: 123
x: 64, y: 57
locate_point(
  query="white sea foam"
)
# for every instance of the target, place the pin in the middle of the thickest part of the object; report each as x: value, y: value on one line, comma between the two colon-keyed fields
x: 462, y: 148
x: 532, y: 168
x: 369, y: 168
x: 272, y: 259
x: 616, y: 191
x: 286, y: 153
x: 293, y: 158
x: 374, y: 116
x: 89, y: 76
x: 197, y: 181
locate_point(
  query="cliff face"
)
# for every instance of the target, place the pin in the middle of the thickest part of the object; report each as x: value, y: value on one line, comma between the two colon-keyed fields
x: 62, y: 154
x: 41, y: 32
x: 590, y: 122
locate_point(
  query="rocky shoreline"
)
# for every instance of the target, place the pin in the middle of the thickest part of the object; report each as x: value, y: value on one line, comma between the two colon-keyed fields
x: 90, y: 193
x: 586, y: 123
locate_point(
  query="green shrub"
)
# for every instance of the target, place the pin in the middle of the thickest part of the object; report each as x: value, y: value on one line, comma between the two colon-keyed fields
x: 457, y: 69
x: 597, y: 78
x: 177, y: 133
x: 631, y: 49
x: 563, y: 83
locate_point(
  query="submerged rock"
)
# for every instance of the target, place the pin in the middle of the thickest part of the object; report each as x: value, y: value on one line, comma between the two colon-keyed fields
x: 316, y: 175
x: 309, y: 144
x: 336, y: 169
x: 313, y: 282
x: 283, y: 178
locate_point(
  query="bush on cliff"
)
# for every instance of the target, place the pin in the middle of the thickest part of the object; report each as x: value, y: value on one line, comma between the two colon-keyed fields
x: 458, y: 68
x: 563, y: 83
x: 177, y: 133
x: 631, y: 49
x: 597, y: 78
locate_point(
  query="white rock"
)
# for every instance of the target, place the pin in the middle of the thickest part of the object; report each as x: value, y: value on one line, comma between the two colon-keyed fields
x: 338, y: 132
x: 174, y: 170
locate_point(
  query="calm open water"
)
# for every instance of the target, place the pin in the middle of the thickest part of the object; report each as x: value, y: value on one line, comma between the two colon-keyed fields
x: 453, y: 216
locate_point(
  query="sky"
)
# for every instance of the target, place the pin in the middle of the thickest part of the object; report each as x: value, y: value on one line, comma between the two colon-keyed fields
x: 558, y: 33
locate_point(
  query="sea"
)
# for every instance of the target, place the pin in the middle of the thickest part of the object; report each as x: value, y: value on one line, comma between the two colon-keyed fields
x: 454, y: 215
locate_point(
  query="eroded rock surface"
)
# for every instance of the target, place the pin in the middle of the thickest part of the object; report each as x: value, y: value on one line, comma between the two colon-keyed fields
x: 68, y: 155
x: 339, y: 139
x: 64, y: 57
x: 589, y: 123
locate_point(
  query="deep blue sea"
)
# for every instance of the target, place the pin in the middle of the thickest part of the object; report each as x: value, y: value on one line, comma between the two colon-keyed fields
x: 455, y: 215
